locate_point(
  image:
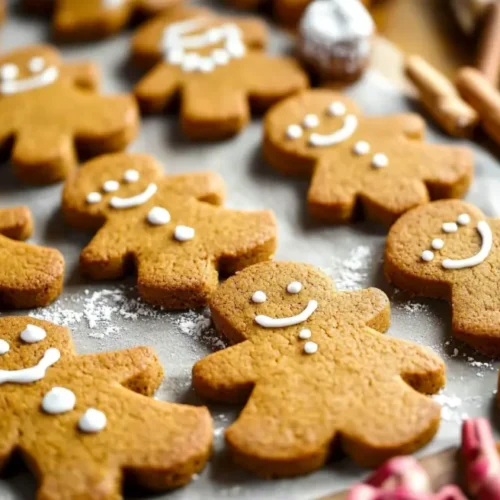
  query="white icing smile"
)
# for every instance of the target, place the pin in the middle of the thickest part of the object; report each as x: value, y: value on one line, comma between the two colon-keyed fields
x: 134, y: 201
x: 34, y: 373
x: 348, y: 128
x: 268, y: 322
x: 43, y: 79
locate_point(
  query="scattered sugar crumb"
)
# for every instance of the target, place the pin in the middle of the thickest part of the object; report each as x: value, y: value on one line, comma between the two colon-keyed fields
x: 412, y: 307
x: 352, y: 273
x: 450, y: 408
x: 199, y: 327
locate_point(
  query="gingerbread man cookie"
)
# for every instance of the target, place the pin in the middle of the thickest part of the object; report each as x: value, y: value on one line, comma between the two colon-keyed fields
x: 94, y: 19
x: 83, y: 422
x: 30, y: 276
x: 450, y: 250
x: 378, y: 164
x: 165, y: 226
x: 216, y: 65
x: 50, y: 108
x: 316, y: 372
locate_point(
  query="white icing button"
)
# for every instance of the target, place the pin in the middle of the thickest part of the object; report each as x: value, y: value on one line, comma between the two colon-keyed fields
x: 310, y: 347
x: 158, y: 216
x: 110, y: 186
x: 380, y: 160
x: 310, y: 121
x: 92, y: 421
x: 450, y: 227
x: 131, y: 176
x: 4, y: 347
x: 36, y: 64
x: 294, y: 287
x: 94, y: 198
x: 305, y: 334
x: 463, y: 219
x: 33, y: 334
x: 294, y: 132
x: 9, y: 72
x: 361, y: 148
x: 427, y: 256
x: 58, y: 400
x: 220, y: 57
x: 336, y: 109
x: 184, y: 233
x: 437, y: 243
x: 259, y: 297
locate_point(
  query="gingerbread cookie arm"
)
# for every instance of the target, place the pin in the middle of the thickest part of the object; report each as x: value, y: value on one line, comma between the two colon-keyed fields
x: 411, y: 125
x: 152, y: 7
x: 204, y: 186
x: 83, y: 74
x: 16, y: 223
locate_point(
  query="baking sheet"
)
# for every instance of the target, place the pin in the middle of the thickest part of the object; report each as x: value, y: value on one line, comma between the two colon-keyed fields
x: 108, y: 316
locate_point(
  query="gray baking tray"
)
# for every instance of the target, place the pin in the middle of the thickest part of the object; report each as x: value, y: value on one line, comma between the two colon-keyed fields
x: 109, y: 316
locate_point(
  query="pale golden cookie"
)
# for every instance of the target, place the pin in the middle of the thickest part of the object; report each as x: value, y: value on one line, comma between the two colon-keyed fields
x: 451, y: 250
x: 82, y: 423
x: 315, y: 372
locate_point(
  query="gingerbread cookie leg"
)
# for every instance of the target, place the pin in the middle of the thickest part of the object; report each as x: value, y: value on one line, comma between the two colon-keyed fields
x: 16, y: 223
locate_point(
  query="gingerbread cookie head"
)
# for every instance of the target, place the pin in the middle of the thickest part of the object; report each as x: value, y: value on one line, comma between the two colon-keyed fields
x: 451, y: 250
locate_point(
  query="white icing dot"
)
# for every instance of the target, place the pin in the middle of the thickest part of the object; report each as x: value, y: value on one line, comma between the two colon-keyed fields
x: 4, y: 347
x: 184, y: 233
x: 361, y: 148
x: 437, y: 243
x: 58, y: 400
x: 380, y: 160
x: 310, y: 347
x: 175, y: 55
x: 294, y: 132
x: 450, y: 227
x: 191, y: 62
x: 259, y: 297
x: 131, y: 176
x: 33, y: 334
x: 207, y: 65
x: 336, y: 108
x: 235, y: 48
x: 94, y: 197
x: 36, y: 64
x: 92, y: 421
x: 9, y: 71
x: 305, y: 334
x: 220, y: 57
x: 294, y: 287
x: 463, y: 219
x: 158, y: 216
x: 427, y: 255
x: 310, y: 121
x: 111, y: 186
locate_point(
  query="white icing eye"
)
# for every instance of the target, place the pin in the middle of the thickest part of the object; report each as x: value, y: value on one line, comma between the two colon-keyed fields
x: 294, y: 132
x: 259, y: 297
x: 310, y: 347
x: 9, y: 71
x: 36, y: 64
x: 294, y: 287
x: 310, y: 121
x: 336, y: 108
x: 58, y: 400
x: 380, y: 160
x: 463, y: 219
x: 33, y: 334
x: 450, y: 227
x: 184, y: 233
x: 131, y: 176
x: 93, y: 198
x: 361, y: 148
x: 427, y: 255
x: 92, y: 421
x: 4, y: 347
x: 158, y: 216
x: 437, y: 244
x: 220, y: 57
x: 305, y: 334
x: 110, y: 186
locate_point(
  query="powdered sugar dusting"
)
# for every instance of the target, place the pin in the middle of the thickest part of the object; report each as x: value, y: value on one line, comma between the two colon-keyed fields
x: 352, y: 273
x: 451, y: 408
x: 199, y: 326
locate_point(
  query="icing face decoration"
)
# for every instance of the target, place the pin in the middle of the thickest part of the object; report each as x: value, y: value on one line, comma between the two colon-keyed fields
x: 464, y: 219
x: 40, y: 75
x: 34, y: 373
x: 4, y: 347
x: 33, y: 334
x: 183, y: 41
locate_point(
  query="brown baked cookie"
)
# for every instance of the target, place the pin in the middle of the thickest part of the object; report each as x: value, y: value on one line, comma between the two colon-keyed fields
x: 83, y: 422
x: 167, y: 227
x: 94, y: 19
x: 50, y: 108
x: 30, y: 276
x: 450, y: 250
x: 316, y: 371
x: 218, y: 67
x: 379, y: 164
